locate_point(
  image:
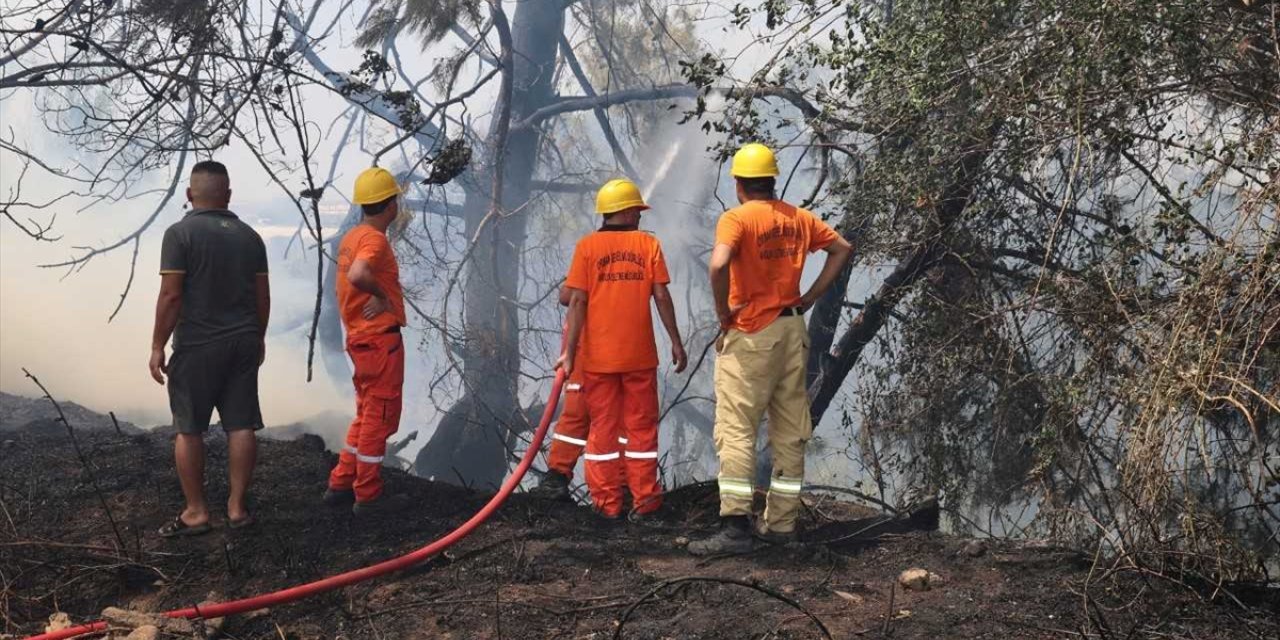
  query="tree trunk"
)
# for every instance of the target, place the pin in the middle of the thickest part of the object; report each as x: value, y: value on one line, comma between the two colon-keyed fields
x: 469, y: 442
x: 835, y: 367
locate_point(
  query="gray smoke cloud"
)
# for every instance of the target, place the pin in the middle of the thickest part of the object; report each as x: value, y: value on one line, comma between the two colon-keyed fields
x: 55, y: 324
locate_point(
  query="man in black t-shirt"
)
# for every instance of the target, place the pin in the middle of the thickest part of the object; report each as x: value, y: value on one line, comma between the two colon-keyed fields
x: 215, y: 301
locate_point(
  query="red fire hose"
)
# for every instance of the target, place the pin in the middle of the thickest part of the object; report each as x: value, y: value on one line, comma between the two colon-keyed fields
x: 360, y: 575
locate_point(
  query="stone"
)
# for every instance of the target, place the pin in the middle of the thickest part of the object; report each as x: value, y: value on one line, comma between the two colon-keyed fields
x: 118, y: 617
x: 916, y: 579
x: 974, y: 549
x: 851, y: 597
x: 212, y: 626
x: 58, y: 622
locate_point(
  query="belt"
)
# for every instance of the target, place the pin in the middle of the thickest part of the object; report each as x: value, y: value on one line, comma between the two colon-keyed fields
x: 792, y: 311
x: 395, y: 328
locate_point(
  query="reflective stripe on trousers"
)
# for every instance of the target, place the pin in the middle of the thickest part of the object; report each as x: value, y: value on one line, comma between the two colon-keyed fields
x: 570, y: 434
x: 735, y: 487
x: 573, y: 441
x: 783, y: 485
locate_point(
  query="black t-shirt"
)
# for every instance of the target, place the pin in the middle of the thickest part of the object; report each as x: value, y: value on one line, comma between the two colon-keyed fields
x: 221, y: 257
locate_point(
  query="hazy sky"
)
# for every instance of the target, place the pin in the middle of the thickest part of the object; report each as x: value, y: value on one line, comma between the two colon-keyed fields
x: 56, y: 325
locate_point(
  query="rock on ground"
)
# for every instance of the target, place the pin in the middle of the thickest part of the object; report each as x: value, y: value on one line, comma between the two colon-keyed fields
x: 917, y: 579
x: 58, y: 622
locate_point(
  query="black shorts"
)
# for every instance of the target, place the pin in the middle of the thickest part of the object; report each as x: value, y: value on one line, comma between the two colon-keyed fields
x: 222, y: 375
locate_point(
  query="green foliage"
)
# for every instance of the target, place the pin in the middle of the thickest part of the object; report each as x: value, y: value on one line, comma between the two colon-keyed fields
x: 1093, y: 324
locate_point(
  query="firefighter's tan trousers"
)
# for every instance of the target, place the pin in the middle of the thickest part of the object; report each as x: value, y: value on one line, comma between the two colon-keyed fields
x: 756, y: 372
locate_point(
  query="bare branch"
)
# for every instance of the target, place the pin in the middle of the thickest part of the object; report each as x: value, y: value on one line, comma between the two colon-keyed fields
x: 133, y: 268
x: 17, y: 52
x: 93, y: 252
x: 584, y: 103
x: 602, y: 118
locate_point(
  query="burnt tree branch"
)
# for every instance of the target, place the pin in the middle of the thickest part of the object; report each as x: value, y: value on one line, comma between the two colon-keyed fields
x: 626, y: 615
x: 84, y: 461
x: 834, y: 368
x: 584, y: 103
x: 606, y: 127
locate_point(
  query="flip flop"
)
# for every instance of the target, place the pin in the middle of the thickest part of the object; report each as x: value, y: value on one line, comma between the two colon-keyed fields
x: 241, y: 523
x: 176, y: 528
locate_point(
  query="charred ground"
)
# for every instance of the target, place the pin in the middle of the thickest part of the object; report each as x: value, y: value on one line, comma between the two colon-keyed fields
x: 536, y: 570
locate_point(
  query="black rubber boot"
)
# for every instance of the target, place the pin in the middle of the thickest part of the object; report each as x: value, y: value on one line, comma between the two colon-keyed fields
x: 652, y: 517
x: 554, y: 486
x: 779, y: 538
x: 339, y: 497
x: 383, y: 504
x: 733, y: 537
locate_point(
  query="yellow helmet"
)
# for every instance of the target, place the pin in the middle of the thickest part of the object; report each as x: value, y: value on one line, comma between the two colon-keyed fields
x: 754, y: 160
x: 374, y: 185
x: 617, y: 195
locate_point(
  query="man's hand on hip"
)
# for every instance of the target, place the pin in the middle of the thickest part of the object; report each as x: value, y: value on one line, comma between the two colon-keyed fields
x: 807, y: 301
x: 375, y: 306
x: 727, y: 316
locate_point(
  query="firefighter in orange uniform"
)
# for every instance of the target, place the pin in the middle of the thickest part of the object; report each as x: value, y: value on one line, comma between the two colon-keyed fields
x: 755, y: 268
x: 614, y: 274
x: 371, y: 304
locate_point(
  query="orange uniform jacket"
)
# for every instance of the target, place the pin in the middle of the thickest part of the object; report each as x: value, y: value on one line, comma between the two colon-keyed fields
x: 770, y: 239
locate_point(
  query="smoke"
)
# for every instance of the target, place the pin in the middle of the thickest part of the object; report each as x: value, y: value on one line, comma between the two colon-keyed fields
x: 681, y: 181
x: 689, y: 190
x: 54, y: 323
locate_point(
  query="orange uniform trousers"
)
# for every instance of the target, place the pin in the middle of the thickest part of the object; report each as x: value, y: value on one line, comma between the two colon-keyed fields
x: 571, y: 430
x: 570, y: 435
x: 379, y: 379
x: 622, y: 446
